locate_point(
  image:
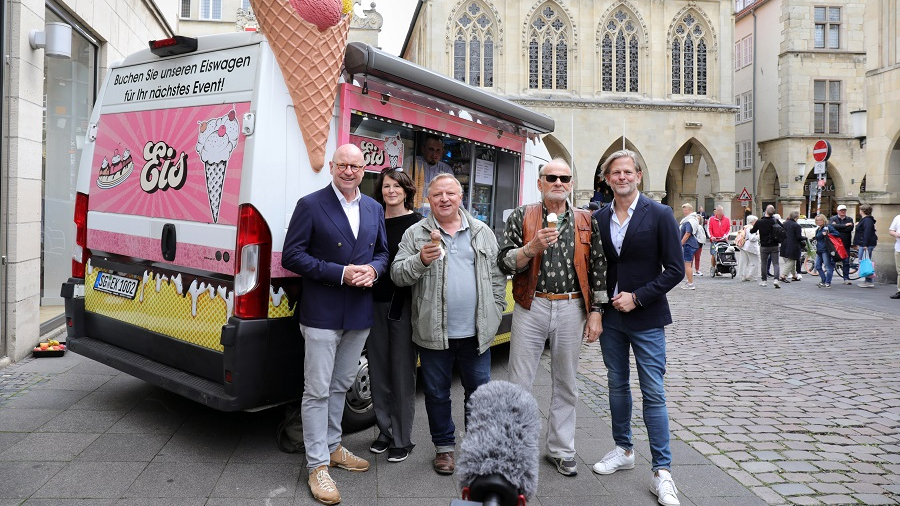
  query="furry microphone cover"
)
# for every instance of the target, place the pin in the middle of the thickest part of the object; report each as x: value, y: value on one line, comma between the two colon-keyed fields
x: 502, y: 437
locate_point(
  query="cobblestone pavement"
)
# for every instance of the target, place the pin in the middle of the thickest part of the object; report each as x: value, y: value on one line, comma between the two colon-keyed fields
x: 15, y: 383
x: 795, y: 392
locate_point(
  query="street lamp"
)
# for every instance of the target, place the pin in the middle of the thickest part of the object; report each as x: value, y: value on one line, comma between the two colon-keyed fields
x: 801, y: 171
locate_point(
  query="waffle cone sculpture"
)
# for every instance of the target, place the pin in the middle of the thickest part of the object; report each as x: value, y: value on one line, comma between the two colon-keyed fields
x: 310, y: 58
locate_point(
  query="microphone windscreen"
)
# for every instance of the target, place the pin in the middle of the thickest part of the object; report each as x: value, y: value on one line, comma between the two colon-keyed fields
x: 502, y: 436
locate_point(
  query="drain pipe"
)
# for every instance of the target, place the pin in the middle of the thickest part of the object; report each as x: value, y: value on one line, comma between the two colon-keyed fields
x: 4, y: 179
x: 753, y: 121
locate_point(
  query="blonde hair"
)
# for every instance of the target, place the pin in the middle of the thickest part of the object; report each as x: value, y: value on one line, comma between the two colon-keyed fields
x: 686, y: 205
x: 622, y: 153
x: 821, y: 217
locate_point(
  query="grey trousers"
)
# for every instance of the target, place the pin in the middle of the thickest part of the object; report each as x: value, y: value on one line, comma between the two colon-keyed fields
x: 562, y: 321
x: 766, y: 252
x: 329, y: 367
x: 392, y: 369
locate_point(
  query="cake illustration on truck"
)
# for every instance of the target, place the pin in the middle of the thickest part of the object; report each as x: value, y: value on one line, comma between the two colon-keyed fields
x: 216, y: 141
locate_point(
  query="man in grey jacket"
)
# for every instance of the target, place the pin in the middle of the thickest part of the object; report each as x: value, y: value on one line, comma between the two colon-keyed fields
x: 449, y: 259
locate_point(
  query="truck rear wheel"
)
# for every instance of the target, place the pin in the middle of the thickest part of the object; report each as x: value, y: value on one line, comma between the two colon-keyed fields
x: 359, y: 410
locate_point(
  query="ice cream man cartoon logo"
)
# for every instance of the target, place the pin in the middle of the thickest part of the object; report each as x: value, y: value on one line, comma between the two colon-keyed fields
x: 379, y: 154
x: 215, y: 142
x: 112, y: 174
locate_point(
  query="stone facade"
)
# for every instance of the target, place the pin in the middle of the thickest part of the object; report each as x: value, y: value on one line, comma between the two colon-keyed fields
x: 595, y: 112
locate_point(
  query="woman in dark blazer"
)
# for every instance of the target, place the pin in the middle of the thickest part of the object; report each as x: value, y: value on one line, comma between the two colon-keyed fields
x: 791, y: 248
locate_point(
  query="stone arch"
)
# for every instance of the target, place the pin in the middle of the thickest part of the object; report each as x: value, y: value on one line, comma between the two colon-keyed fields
x: 891, y: 167
x: 834, y: 186
x: 768, y: 187
x: 685, y: 181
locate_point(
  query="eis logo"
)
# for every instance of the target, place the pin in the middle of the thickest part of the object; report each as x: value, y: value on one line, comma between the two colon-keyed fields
x: 163, y: 169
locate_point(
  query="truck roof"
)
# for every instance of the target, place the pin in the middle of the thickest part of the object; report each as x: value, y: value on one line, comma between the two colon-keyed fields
x: 204, y: 43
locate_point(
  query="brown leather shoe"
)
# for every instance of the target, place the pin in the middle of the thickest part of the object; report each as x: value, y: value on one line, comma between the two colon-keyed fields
x: 444, y: 463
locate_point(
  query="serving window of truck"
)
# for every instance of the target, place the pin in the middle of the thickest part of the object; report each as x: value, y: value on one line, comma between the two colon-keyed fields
x: 404, y: 117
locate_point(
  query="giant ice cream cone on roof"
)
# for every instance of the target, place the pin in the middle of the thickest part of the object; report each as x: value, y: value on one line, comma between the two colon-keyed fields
x: 308, y: 38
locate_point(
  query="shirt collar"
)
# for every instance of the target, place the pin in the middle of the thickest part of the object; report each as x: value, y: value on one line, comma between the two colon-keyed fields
x: 631, y: 208
x: 342, y: 199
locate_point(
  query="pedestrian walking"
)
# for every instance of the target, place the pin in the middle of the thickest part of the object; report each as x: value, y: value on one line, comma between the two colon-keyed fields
x: 718, y: 228
x: 391, y: 353
x: 895, y: 233
x: 450, y: 260
x: 866, y: 239
x: 641, y: 243
x: 689, y: 245
x: 559, y: 284
x: 748, y: 252
x: 336, y: 242
x: 791, y: 248
x: 824, y: 260
x: 702, y: 239
x: 768, y: 247
x: 844, y: 226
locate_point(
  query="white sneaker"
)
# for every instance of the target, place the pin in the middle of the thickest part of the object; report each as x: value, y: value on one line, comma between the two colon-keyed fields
x: 688, y: 286
x: 776, y: 283
x: 762, y: 283
x: 664, y: 488
x: 698, y: 273
x: 613, y: 461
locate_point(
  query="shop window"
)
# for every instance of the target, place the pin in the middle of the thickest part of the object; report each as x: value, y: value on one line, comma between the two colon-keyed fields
x: 70, y: 87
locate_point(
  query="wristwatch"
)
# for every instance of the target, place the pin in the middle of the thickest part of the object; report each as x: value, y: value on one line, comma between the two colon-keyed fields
x: 597, y: 309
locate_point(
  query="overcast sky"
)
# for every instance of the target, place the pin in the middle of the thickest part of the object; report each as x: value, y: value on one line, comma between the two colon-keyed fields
x: 397, y: 14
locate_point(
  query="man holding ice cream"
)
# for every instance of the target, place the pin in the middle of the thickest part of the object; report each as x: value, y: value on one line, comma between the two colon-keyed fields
x: 559, y: 285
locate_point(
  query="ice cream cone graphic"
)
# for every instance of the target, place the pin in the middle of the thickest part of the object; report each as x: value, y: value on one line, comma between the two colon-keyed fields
x: 216, y: 140
x: 308, y: 38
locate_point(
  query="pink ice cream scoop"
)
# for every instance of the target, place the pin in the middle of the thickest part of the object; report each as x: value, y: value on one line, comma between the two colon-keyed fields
x: 322, y: 13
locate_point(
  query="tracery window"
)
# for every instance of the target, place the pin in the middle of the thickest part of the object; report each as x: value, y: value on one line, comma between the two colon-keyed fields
x: 689, y: 56
x: 619, y: 58
x: 548, y: 49
x: 473, y: 45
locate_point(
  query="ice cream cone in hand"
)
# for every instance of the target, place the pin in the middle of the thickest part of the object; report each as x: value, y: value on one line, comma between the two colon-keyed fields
x: 552, y: 220
x: 436, y: 237
x: 308, y: 38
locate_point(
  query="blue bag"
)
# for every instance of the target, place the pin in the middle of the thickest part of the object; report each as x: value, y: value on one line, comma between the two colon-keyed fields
x: 866, y: 267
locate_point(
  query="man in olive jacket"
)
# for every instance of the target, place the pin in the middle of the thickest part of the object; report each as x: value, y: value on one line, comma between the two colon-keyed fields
x: 450, y: 260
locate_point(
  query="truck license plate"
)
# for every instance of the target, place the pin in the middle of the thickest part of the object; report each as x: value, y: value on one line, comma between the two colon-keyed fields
x: 116, y: 285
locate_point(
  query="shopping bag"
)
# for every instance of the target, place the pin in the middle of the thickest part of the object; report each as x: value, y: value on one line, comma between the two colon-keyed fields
x: 839, y: 250
x: 866, y: 267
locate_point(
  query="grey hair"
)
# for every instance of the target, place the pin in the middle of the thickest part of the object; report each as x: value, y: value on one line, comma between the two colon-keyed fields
x: 444, y: 175
x: 794, y: 215
x: 720, y: 208
x: 770, y: 210
x: 751, y: 219
x: 604, y: 169
x: 866, y: 209
x: 558, y: 161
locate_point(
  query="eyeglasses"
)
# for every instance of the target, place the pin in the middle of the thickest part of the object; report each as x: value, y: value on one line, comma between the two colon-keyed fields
x: 551, y: 178
x: 353, y: 168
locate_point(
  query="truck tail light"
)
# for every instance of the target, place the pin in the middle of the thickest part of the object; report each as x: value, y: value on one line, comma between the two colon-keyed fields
x: 80, y: 252
x: 252, y: 264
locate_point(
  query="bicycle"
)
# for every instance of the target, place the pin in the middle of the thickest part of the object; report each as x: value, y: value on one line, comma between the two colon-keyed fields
x: 854, y: 266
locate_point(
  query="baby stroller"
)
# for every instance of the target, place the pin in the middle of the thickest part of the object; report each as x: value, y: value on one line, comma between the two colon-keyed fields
x: 726, y: 259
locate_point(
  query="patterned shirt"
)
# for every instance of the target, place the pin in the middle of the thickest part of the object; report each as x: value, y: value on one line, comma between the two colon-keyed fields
x: 558, y: 263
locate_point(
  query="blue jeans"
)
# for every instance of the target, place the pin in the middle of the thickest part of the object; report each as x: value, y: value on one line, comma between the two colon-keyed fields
x: 823, y: 264
x: 649, y: 348
x: 437, y: 372
x: 870, y: 249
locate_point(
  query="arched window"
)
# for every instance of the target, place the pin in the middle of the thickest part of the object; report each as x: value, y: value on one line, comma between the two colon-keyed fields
x: 619, y: 58
x: 473, y: 45
x: 689, y: 56
x: 548, y: 49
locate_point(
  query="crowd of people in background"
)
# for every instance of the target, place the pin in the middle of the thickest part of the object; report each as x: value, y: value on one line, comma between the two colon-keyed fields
x: 771, y: 246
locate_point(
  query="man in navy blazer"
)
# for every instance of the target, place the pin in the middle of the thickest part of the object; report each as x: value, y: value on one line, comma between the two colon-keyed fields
x: 644, y: 261
x: 336, y: 240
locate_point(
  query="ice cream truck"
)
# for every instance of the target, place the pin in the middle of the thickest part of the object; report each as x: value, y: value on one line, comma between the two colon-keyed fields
x: 197, y: 151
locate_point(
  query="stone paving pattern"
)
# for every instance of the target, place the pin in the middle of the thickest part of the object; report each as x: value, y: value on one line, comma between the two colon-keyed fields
x: 775, y: 396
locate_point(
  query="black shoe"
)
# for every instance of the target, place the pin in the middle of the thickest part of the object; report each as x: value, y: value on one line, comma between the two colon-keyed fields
x: 379, y: 446
x: 397, y: 454
x: 565, y: 466
x: 896, y: 296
